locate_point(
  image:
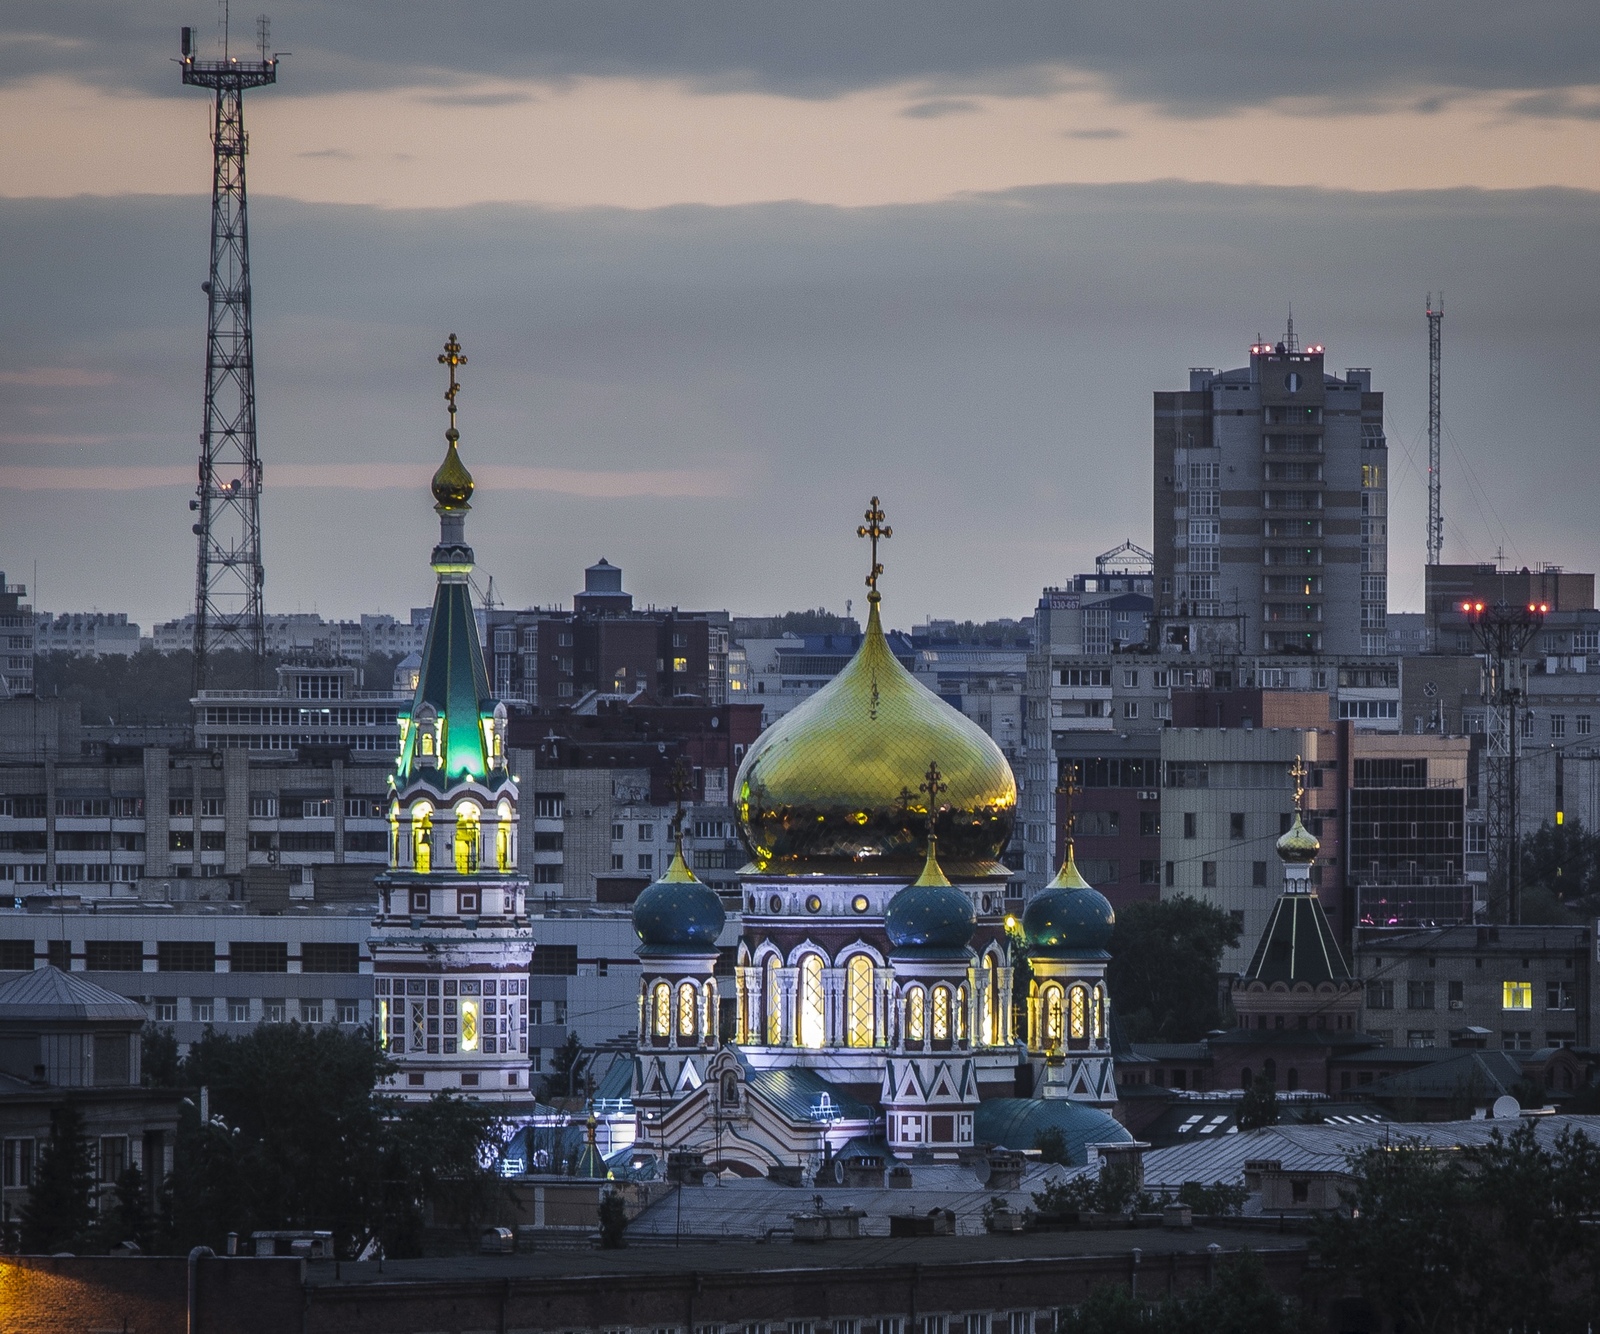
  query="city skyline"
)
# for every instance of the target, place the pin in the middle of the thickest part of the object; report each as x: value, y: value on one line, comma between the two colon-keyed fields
x: 731, y: 345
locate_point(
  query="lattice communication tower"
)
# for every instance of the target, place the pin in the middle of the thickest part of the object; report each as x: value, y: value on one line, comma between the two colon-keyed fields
x: 1503, y: 632
x: 228, y: 572
x: 1435, y: 513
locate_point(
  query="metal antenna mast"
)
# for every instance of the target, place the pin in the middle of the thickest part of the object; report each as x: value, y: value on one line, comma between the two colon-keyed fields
x: 1435, y: 514
x: 228, y: 571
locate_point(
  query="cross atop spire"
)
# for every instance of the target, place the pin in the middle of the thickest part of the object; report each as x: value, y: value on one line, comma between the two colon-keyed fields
x: 1297, y: 771
x: 452, y: 357
x: 1067, y: 788
x: 932, y: 784
x: 873, y: 529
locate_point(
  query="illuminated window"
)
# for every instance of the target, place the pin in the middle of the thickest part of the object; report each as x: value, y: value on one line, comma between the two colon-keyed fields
x: 812, y: 1020
x: 1099, y: 1014
x: 769, y: 992
x: 711, y: 1008
x: 466, y: 838
x: 1050, y: 1012
x: 502, y: 841
x: 394, y: 834
x: 383, y: 1025
x: 858, y: 988
x: 916, y: 1014
x: 661, y: 1010
x: 941, y: 1014
x: 469, y: 1025
x: 961, y: 1014
x: 680, y: 664
x: 1516, y: 996
x: 1079, y: 1029
x: 422, y: 838
x: 686, y: 1010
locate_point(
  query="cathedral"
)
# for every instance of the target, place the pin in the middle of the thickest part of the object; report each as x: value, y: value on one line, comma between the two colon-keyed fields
x: 451, y: 943
x: 873, y: 1006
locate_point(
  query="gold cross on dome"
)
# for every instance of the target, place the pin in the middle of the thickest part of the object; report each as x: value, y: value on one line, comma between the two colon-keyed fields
x: 1067, y: 788
x: 452, y: 357
x: 679, y: 782
x: 1298, y: 772
x: 873, y: 529
x: 933, y: 784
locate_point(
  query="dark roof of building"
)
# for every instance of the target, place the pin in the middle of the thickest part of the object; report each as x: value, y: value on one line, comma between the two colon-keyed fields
x: 1298, y: 945
x: 49, y: 994
x: 1461, y: 1073
x: 803, y: 1095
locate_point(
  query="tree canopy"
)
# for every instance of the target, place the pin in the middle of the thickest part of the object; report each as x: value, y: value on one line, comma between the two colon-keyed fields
x: 1484, y: 1238
x: 301, y: 1135
x: 1163, y: 971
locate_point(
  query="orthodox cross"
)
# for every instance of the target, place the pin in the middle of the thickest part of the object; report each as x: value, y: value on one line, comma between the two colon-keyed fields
x: 1067, y: 788
x: 451, y: 357
x: 679, y: 783
x: 1298, y: 772
x: 933, y: 784
x: 873, y: 529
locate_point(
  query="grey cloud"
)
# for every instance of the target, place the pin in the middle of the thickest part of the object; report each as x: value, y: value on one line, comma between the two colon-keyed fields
x: 938, y: 107
x: 1555, y: 106
x: 984, y: 364
x: 1192, y: 59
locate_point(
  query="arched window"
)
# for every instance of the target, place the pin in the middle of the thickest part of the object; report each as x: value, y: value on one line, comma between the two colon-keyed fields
x: 710, y: 1011
x: 941, y: 1014
x: 813, y: 1031
x: 394, y: 833
x: 1099, y: 1014
x: 502, y: 838
x: 916, y: 1014
x: 961, y: 1014
x: 466, y: 838
x: 661, y: 1011
x: 1050, y: 1015
x: 687, y: 1004
x: 1078, y: 1019
x: 769, y: 992
x: 422, y: 838
x: 858, y: 1002
x: 992, y: 1029
x: 730, y: 1089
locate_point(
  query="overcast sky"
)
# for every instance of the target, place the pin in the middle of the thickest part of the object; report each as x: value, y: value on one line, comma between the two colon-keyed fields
x: 724, y: 270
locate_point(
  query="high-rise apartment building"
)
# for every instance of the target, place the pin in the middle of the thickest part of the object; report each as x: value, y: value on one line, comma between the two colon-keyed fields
x: 1271, y: 505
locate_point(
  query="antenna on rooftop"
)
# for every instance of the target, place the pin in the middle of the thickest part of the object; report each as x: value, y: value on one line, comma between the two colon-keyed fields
x: 1435, y: 514
x: 1289, y: 340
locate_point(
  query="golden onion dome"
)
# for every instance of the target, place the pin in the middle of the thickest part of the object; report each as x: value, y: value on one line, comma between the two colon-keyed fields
x: 452, y: 484
x: 1299, y: 845
x: 832, y: 787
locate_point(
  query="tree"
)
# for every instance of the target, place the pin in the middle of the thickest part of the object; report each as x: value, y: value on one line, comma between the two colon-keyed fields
x: 561, y: 1079
x: 1492, y: 1237
x: 1562, y: 861
x: 297, y: 1137
x: 159, y: 1057
x: 127, y: 1216
x: 1163, y: 972
x: 440, y: 1158
x: 1241, y: 1301
x: 1052, y: 1146
x: 1259, y: 1106
x: 613, y: 1220
x: 59, y: 1209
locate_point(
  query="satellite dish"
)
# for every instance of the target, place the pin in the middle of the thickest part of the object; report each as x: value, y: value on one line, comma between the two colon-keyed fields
x: 982, y: 1170
x: 1505, y: 1107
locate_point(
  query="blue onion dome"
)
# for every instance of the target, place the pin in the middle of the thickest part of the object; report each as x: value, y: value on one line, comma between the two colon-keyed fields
x: 678, y: 914
x: 1069, y: 917
x: 930, y: 915
x: 1299, y: 846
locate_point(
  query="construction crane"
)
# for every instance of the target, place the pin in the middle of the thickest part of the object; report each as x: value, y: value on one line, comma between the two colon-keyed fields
x: 229, y: 576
